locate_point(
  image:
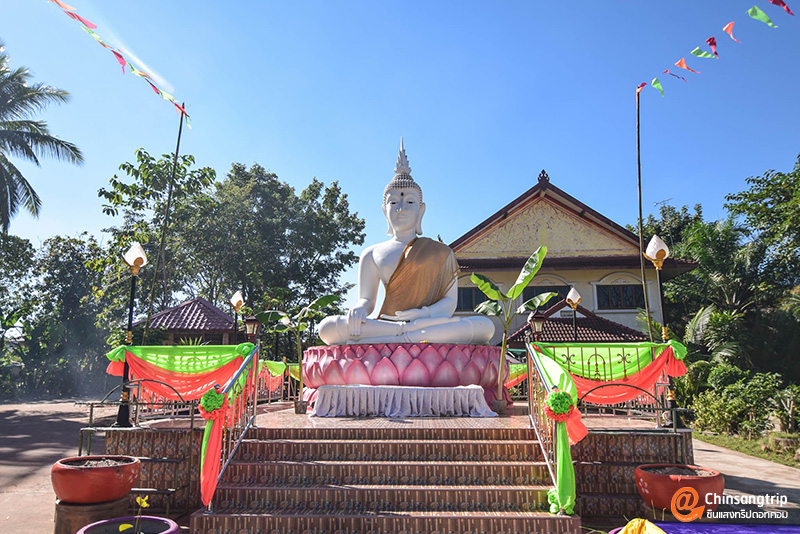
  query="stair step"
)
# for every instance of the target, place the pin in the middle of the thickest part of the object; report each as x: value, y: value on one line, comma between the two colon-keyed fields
x: 394, y: 434
x: 375, y: 498
x: 416, y: 522
x: 390, y: 450
x: 291, y: 473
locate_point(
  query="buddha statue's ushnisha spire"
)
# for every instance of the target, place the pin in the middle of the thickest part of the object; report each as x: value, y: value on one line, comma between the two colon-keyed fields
x: 402, y: 175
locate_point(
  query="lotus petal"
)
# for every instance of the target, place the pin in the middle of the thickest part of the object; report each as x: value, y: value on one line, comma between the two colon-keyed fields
x: 356, y: 373
x: 416, y: 374
x: 415, y: 349
x: 470, y: 375
x: 312, y: 376
x: 385, y: 374
x: 332, y: 375
x: 371, y: 358
x: 445, y: 376
x: 457, y: 358
x: 489, y: 378
x: 430, y: 358
x: 479, y: 359
x: 401, y: 358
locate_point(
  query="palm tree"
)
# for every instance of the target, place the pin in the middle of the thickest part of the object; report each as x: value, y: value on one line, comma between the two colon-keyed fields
x: 23, y: 137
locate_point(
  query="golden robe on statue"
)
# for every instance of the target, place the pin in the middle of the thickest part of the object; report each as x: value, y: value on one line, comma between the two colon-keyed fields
x: 426, y: 271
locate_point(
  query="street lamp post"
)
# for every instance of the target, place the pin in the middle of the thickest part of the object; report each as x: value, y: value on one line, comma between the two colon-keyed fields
x: 658, y: 251
x: 251, y: 327
x: 536, y: 320
x: 573, y: 299
x: 135, y: 259
x: 237, y: 301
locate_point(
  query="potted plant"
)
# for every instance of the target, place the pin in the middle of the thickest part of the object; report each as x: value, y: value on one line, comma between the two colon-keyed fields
x: 138, y: 524
x: 680, y: 488
x: 94, y: 479
x: 295, y: 324
x: 499, y: 306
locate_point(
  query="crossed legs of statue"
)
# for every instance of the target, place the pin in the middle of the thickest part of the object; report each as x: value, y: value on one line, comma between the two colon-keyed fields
x: 458, y: 330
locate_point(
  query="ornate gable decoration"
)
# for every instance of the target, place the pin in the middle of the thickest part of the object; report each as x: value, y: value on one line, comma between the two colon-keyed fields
x: 542, y: 221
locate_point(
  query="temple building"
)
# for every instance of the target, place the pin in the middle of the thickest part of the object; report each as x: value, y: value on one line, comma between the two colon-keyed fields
x: 585, y: 250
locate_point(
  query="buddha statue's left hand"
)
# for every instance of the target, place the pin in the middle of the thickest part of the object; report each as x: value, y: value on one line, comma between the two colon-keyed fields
x: 407, y: 316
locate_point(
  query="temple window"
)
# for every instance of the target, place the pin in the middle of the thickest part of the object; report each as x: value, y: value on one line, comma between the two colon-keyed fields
x: 469, y: 297
x: 620, y: 297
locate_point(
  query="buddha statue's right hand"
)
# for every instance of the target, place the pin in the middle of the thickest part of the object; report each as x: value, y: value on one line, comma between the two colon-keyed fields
x: 355, y: 318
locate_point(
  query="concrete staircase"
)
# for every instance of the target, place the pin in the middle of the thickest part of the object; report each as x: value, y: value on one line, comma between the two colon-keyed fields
x: 382, y: 481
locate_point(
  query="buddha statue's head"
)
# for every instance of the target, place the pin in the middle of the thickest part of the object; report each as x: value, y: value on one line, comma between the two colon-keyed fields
x: 402, y: 198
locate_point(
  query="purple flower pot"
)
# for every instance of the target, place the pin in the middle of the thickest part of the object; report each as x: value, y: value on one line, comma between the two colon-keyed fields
x: 148, y: 524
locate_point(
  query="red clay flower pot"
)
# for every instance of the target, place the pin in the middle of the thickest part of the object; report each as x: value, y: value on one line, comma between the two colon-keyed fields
x: 94, y: 479
x: 658, y: 489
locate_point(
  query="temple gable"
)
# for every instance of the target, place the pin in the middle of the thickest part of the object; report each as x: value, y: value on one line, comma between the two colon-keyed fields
x: 543, y: 221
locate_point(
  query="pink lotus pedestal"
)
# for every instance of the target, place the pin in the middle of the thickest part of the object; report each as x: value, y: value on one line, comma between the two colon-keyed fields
x: 405, y: 364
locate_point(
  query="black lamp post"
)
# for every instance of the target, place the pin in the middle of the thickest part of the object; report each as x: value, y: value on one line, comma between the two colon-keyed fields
x: 536, y: 320
x: 237, y: 301
x: 135, y: 259
x: 573, y: 299
x: 658, y: 251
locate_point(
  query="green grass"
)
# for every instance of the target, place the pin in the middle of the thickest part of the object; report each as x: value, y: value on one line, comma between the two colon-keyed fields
x: 753, y: 447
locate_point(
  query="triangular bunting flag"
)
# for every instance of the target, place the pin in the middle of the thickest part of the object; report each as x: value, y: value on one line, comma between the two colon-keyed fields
x: 712, y: 42
x: 671, y: 74
x: 782, y: 4
x: 63, y: 6
x: 729, y: 30
x: 82, y: 20
x: 96, y: 37
x: 655, y: 83
x: 702, y: 53
x: 120, y: 60
x: 757, y: 14
x: 682, y: 64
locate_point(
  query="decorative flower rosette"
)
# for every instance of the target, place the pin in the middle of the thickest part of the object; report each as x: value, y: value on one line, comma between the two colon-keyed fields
x: 214, y: 405
x: 558, y: 405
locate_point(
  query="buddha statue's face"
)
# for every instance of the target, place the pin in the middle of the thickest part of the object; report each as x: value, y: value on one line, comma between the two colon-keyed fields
x: 403, y: 211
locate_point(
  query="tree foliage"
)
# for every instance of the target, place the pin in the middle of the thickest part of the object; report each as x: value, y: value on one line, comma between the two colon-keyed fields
x: 23, y: 137
x: 771, y: 206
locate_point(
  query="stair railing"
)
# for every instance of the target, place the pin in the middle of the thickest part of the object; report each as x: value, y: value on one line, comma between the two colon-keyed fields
x: 545, y: 428
x: 243, y: 388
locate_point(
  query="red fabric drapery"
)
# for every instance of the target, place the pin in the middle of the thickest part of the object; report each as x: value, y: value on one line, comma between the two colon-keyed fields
x: 617, y: 391
x: 191, y: 386
x: 211, y: 462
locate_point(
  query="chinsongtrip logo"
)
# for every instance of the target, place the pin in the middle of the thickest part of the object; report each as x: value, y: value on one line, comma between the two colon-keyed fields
x: 687, y: 506
x: 684, y: 505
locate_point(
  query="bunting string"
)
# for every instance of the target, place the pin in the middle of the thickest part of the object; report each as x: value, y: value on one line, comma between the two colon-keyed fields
x: 754, y: 13
x: 89, y: 26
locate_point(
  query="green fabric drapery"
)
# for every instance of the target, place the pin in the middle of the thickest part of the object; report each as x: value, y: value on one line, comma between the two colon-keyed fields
x: 563, y: 496
x: 607, y: 362
x: 184, y: 359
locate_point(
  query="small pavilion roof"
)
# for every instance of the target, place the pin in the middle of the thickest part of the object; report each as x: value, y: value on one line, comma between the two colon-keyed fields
x: 591, y: 328
x: 195, y: 315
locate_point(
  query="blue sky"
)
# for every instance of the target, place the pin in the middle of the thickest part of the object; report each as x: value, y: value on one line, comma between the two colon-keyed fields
x: 486, y: 95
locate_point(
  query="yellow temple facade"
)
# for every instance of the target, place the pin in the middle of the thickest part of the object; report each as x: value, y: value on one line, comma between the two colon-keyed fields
x: 585, y: 250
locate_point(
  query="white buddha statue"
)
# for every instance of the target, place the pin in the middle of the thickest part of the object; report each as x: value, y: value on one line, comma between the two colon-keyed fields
x: 420, y: 277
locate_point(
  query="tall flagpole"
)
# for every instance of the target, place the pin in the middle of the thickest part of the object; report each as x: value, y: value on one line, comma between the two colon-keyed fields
x: 641, y: 231
x: 160, y: 258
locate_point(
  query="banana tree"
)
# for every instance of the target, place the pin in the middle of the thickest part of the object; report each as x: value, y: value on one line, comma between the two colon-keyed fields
x: 280, y: 321
x: 500, y: 304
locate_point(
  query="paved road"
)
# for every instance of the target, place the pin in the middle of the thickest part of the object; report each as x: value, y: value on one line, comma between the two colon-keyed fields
x: 33, y: 436
x: 746, y: 475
